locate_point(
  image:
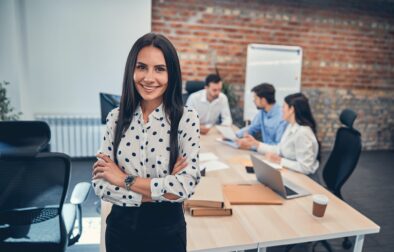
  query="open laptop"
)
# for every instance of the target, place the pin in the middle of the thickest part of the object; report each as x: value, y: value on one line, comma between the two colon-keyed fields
x: 228, y: 134
x: 272, y: 178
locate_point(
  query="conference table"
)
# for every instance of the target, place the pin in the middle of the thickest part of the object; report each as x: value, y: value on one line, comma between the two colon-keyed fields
x: 263, y: 226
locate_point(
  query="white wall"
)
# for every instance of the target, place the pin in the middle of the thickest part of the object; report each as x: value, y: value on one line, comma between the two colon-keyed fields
x: 69, y: 50
x: 10, y: 67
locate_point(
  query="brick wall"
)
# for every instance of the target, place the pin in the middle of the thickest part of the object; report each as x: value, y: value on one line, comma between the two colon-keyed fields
x: 348, y: 51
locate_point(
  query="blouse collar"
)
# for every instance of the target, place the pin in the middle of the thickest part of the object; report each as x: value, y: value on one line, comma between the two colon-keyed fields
x: 157, y: 113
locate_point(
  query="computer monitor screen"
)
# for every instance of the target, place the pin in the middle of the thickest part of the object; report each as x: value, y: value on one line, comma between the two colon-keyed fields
x: 107, y: 103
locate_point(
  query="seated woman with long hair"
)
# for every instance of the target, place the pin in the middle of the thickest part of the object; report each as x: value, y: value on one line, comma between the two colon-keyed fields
x: 298, y: 149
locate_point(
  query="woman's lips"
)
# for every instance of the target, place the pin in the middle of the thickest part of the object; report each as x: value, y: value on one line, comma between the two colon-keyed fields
x: 149, y: 89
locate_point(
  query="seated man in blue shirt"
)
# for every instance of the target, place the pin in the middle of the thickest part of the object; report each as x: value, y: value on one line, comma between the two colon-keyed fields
x: 268, y: 121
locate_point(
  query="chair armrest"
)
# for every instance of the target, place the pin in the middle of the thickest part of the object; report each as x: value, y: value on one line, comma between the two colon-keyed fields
x: 80, y: 193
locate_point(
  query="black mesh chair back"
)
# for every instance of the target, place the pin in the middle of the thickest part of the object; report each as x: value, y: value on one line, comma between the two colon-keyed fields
x: 107, y: 103
x: 191, y: 87
x: 194, y: 86
x: 33, y: 191
x: 345, y: 154
x: 28, y: 137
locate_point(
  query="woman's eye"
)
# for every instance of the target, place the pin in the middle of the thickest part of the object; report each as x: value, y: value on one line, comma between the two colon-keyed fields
x: 141, y: 67
x: 160, y: 69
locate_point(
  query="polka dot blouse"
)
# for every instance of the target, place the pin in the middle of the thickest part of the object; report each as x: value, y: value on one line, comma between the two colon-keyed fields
x: 144, y: 151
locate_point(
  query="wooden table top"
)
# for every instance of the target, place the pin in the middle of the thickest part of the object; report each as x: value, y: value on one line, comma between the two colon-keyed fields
x: 265, y: 225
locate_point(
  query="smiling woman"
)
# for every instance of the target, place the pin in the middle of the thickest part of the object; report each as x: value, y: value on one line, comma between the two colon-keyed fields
x: 148, y: 162
x: 150, y: 75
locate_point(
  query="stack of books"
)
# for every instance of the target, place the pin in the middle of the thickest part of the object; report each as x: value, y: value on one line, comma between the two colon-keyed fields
x: 208, y: 199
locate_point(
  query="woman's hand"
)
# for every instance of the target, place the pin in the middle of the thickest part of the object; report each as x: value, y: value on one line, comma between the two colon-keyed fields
x: 146, y: 199
x: 106, y: 169
x: 180, y: 164
x: 273, y: 157
x: 204, y: 130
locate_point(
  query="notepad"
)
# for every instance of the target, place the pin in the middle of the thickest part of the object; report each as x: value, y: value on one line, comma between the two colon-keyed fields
x: 251, y: 194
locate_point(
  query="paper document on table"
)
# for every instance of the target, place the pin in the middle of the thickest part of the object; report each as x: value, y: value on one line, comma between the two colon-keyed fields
x: 228, y: 142
x: 227, y: 132
x: 213, y: 165
x: 207, y: 156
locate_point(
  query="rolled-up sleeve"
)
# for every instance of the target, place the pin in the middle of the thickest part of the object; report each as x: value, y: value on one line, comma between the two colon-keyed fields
x: 184, y: 182
x: 253, y: 128
x: 102, y: 188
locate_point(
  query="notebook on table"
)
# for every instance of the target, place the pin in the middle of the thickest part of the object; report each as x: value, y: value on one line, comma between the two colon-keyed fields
x: 208, y: 199
x: 228, y: 136
x: 251, y: 194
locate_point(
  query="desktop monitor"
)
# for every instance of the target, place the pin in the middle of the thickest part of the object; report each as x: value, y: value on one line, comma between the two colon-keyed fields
x: 107, y: 103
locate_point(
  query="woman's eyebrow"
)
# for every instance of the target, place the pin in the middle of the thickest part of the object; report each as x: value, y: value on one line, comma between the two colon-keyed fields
x: 141, y: 63
x: 160, y: 66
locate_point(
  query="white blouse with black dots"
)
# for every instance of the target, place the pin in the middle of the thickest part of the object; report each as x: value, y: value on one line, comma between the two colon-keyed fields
x: 144, y: 151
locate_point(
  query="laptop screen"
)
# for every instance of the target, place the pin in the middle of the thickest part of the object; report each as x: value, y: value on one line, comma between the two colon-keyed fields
x: 268, y: 175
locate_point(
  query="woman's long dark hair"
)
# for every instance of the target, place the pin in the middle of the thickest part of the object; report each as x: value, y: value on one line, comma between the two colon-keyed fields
x: 303, y: 113
x: 172, y: 100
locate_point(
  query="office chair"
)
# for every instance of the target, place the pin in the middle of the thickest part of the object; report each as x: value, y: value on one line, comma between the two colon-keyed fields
x: 341, y: 164
x: 107, y: 103
x: 191, y: 87
x: 33, y: 187
x: 29, y: 137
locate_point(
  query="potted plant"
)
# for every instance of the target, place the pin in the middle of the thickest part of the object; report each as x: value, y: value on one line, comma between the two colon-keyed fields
x: 7, y: 112
x: 235, y: 109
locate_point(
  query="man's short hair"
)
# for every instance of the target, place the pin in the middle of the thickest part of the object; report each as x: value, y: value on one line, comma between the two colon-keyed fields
x: 212, y: 78
x: 265, y: 90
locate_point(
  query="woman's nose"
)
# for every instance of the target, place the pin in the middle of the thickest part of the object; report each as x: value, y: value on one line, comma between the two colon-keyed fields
x: 149, y: 76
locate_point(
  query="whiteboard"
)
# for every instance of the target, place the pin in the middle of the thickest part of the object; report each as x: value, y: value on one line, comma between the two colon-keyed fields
x: 277, y: 65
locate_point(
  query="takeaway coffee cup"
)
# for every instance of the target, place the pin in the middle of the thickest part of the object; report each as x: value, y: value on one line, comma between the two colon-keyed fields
x: 320, y: 202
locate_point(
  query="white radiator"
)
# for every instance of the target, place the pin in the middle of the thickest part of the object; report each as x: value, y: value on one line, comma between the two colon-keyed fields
x: 77, y: 136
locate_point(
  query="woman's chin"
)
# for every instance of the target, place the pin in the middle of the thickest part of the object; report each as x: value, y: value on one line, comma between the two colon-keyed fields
x: 150, y: 96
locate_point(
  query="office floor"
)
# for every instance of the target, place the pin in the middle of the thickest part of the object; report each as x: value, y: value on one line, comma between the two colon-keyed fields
x: 369, y: 190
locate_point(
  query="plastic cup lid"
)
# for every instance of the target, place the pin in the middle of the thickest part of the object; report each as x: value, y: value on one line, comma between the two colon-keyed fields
x: 320, y: 199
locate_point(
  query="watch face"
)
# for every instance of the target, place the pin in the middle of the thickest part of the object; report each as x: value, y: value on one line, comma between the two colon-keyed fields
x: 129, y: 179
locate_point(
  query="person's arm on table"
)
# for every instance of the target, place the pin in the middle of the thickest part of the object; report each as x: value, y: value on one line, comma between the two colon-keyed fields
x: 252, y: 129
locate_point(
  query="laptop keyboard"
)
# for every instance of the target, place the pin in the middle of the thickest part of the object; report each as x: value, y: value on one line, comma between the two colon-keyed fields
x: 289, y: 192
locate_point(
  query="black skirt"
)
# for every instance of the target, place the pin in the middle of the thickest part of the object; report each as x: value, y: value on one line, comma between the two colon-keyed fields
x: 150, y: 227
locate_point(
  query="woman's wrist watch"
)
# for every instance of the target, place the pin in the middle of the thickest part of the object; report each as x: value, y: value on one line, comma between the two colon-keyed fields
x: 129, y: 181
